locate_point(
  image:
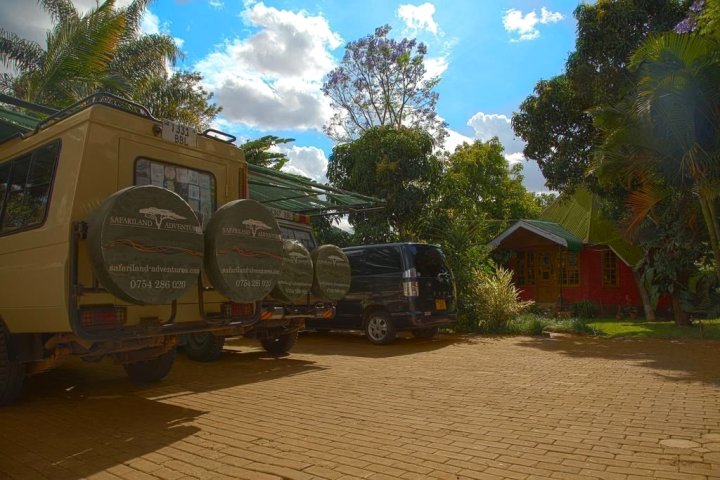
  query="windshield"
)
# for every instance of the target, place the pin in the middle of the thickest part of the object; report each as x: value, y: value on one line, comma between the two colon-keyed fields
x: 428, y: 260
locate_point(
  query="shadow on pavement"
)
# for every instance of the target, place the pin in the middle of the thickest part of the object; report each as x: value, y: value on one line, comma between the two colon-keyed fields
x: 70, y: 438
x: 679, y: 360
x: 356, y: 345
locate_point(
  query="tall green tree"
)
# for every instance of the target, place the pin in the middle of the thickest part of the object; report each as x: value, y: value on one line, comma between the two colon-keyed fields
x: 478, y: 195
x: 103, y: 50
x: 382, y: 82
x: 395, y: 164
x: 667, y: 131
x: 553, y: 121
x: 258, y: 151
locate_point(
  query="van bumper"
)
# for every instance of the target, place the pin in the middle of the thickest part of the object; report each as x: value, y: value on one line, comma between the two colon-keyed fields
x: 412, y: 320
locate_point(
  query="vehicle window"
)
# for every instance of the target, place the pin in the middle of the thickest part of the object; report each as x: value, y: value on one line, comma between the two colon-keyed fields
x: 196, y: 187
x: 301, y: 236
x: 380, y: 261
x: 25, y: 185
x: 429, y: 261
x: 357, y: 263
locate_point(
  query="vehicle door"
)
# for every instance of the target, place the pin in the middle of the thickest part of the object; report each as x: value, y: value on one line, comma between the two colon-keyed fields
x: 436, y: 290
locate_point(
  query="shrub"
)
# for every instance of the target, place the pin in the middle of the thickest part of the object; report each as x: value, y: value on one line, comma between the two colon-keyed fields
x: 498, y: 301
x: 584, y: 309
x: 529, y: 324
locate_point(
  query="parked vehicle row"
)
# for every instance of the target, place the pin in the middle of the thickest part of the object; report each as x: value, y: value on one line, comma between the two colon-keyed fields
x: 123, y: 236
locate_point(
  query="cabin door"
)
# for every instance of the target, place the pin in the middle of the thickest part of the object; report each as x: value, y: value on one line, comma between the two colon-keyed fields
x: 547, y: 284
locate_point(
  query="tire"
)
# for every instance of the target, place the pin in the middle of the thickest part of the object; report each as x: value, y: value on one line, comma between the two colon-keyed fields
x: 203, y: 347
x: 12, y: 374
x: 280, y: 345
x: 379, y: 329
x: 428, y: 332
x: 150, y: 371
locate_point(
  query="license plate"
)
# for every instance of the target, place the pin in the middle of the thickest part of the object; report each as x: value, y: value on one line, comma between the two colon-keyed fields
x: 440, y: 304
x: 179, y: 134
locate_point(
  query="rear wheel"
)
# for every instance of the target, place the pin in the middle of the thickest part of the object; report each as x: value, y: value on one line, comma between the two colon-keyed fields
x: 203, y: 347
x: 12, y: 373
x: 150, y: 371
x: 280, y: 345
x: 379, y: 329
x: 428, y: 332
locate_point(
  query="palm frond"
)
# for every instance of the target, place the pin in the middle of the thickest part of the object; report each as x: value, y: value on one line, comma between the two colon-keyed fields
x: 23, y: 54
x: 60, y: 10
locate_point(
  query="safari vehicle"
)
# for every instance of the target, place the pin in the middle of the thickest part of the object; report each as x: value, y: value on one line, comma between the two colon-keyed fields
x: 395, y: 287
x: 310, y: 285
x: 118, y: 233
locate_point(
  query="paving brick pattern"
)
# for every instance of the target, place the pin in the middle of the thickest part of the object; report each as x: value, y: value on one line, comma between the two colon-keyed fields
x: 340, y: 408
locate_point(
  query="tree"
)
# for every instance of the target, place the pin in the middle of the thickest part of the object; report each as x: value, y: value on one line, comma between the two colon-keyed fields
x: 554, y: 120
x: 382, y: 82
x: 479, y: 195
x: 103, y: 50
x: 257, y: 152
x: 665, y: 133
x: 395, y: 164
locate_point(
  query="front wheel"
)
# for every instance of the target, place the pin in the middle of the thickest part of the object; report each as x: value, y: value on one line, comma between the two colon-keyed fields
x: 150, y: 371
x: 203, y: 347
x: 379, y: 329
x: 280, y: 345
x: 12, y: 373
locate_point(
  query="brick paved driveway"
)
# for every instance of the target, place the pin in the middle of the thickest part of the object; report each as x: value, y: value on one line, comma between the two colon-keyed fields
x: 339, y: 407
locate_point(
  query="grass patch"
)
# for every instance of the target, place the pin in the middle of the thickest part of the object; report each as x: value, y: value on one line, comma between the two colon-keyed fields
x: 707, y: 329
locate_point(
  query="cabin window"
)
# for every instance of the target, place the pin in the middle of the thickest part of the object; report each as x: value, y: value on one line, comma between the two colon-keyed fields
x: 25, y: 187
x: 196, y: 187
x: 525, y: 268
x: 569, y: 269
x: 609, y: 269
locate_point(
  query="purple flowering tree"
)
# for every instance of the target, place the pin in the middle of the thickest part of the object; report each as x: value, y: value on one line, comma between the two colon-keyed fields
x: 382, y: 82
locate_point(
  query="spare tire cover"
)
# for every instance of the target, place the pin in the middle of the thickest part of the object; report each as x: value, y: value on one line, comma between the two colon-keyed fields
x: 243, y: 251
x: 296, y: 273
x: 331, y: 280
x: 146, y: 245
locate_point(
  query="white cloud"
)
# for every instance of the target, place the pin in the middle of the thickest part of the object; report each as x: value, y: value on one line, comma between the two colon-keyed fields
x: 418, y: 17
x: 273, y: 79
x: 488, y: 125
x: 434, y: 67
x: 455, y: 139
x: 217, y: 4
x: 525, y: 26
x: 307, y: 161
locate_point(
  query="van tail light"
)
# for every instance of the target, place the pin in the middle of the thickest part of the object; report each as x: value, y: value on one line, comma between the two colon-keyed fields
x: 410, y: 288
x: 233, y: 310
x: 102, y: 316
x: 266, y: 315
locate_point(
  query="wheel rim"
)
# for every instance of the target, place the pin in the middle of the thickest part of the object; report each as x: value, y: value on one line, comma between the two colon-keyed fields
x: 377, y: 328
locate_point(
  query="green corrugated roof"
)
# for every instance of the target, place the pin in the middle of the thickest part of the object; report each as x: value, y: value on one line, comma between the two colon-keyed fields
x: 573, y: 242
x: 302, y: 195
x: 12, y: 123
x: 580, y: 215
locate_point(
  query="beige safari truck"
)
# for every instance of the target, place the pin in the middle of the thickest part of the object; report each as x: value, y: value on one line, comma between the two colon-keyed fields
x: 120, y: 233
x: 313, y: 277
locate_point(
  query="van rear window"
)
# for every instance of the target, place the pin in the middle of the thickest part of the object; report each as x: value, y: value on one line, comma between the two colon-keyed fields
x: 428, y: 260
x: 196, y: 187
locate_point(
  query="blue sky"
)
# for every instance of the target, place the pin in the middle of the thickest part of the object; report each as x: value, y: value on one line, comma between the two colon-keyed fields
x: 265, y: 60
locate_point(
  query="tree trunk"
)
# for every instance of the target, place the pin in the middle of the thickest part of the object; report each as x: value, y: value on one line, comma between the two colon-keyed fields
x: 647, y: 306
x: 681, y: 318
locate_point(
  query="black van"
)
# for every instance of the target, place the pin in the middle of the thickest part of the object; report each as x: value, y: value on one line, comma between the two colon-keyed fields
x: 395, y: 287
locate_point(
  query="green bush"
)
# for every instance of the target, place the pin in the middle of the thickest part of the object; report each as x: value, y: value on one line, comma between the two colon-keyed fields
x: 498, y: 301
x: 529, y: 324
x: 585, y: 309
